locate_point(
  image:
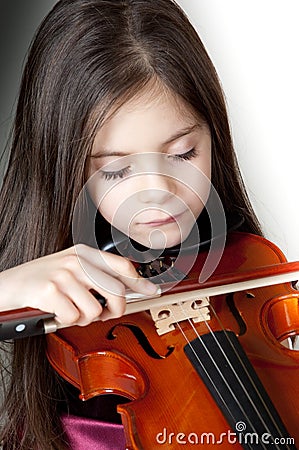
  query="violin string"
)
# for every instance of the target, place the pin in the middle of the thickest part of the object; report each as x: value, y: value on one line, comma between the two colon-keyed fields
x: 228, y: 338
x: 276, y: 425
x: 214, y: 363
x: 220, y: 372
x: 208, y: 375
x: 228, y: 386
x: 239, y: 380
x: 205, y: 371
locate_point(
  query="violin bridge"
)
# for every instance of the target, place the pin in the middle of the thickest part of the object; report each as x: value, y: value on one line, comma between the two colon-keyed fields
x: 165, y: 317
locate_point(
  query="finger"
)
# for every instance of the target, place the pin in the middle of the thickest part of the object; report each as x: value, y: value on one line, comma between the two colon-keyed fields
x: 139, y: 284
x: 115, y: 307
x: 103, y: 283
x: 65, y: 311
x: 95, y: 262
x: 115, y: 302
x: 88, y: 306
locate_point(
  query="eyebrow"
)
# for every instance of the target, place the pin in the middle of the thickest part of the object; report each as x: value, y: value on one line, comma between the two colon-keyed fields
x: 177, y: 135
x: 182, y: 133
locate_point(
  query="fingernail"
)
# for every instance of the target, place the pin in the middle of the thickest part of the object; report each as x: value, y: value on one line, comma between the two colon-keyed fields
x: 151, y: 288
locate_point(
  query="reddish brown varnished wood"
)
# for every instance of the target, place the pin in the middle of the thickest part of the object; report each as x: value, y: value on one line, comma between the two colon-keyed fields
x: 168, y: 398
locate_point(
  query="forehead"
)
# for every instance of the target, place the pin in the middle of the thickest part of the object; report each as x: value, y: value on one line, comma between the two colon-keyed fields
x: 151, y: 116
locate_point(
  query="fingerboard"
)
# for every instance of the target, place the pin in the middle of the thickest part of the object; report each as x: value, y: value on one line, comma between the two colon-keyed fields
x: 228, y: 374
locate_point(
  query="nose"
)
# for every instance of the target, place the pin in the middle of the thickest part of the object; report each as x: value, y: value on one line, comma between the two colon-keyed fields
x: 155, y: 188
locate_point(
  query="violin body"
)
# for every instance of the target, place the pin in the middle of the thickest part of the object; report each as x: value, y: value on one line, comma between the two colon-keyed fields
x: 169, y: 405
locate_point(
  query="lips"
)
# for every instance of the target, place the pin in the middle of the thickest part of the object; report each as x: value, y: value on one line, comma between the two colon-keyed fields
x: 162, y: 221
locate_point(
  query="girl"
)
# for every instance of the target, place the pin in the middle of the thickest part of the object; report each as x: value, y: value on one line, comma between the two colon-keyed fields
x: 104, y: 80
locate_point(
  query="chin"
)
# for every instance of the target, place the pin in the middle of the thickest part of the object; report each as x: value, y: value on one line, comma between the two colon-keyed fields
x: 159, y: 240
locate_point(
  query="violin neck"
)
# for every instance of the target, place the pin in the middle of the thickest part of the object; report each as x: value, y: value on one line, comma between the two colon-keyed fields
x: 232, y: 381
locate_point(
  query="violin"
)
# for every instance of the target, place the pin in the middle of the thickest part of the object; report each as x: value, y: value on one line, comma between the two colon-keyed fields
x: 202, y: 364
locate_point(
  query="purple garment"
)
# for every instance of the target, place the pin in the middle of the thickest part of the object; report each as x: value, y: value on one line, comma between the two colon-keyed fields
x: 93, y: 434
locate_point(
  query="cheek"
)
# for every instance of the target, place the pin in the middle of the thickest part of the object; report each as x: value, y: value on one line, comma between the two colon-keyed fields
x: 110, y: 204
x: 204, y: 161
x: 205, y: 167
x: 107, y: 210
x: 196, y: 187
x: 196, y: 201
x: 118, y: 207
x: 204, y: 164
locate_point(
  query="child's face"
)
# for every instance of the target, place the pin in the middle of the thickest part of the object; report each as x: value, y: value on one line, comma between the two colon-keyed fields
x: 151, y: 163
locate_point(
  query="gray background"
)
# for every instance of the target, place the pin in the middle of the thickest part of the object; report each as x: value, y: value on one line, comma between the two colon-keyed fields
x: 18, y: 22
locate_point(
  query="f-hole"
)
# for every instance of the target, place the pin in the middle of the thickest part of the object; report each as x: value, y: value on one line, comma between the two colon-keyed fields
x: 142, y: 340
x: 235, y: 312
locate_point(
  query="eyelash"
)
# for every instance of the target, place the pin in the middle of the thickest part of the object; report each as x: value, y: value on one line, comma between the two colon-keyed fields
x: 123, y: 172
x: 185, y: 156
x: 114, y: 175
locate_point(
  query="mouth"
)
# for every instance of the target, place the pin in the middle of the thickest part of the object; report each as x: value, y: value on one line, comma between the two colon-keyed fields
x: 161, y: 222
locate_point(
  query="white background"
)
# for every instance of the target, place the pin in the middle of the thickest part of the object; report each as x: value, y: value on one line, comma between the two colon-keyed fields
x: 254, y: 45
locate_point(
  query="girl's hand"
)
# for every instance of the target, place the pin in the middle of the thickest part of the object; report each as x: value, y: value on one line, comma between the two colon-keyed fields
x: 60, y: 283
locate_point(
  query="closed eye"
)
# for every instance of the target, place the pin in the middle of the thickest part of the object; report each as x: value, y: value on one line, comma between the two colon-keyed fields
x: 185, y: 156
x: 115, y: 174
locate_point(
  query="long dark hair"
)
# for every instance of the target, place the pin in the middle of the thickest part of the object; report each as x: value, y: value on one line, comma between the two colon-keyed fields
x: 86, y: 56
